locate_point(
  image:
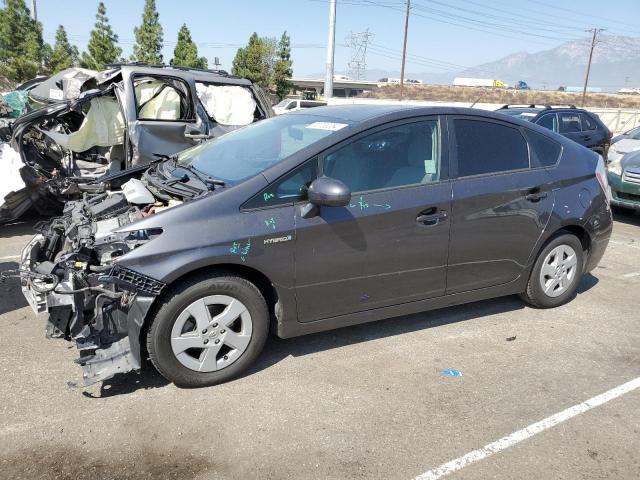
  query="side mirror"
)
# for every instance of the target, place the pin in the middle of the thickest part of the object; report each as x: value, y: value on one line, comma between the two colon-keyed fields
x: 327, y: 192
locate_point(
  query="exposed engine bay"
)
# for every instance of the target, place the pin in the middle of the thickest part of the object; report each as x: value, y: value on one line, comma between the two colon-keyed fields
x: 70, y: 270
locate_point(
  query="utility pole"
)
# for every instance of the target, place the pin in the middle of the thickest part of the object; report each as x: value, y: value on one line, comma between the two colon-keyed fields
x: 34, y: 10
x: 404, y: 48
x: 331, y: 46
x: 626, y: 81
x: 595, y: 32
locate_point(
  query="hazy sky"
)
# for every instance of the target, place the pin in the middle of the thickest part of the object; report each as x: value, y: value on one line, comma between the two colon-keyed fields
x: 443, y: 34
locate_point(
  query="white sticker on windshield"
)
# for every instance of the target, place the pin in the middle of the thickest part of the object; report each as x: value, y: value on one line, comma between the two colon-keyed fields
x: 56, y: 94
x: 334, y: 127
x: 528, y: 114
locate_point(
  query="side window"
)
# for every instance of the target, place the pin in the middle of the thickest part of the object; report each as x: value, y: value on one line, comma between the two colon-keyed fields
x: 549, y: 121
x: 287, y: 190
x: 544, y: 151
x: 292, y: 105
x: 404, y: 155
x: 162, y: 98
x: 588, y: 123
x: 487, y: 147
x: 570, y: 123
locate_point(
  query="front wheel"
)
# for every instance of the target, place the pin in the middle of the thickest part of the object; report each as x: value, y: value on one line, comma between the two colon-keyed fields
x: 556, y: 273
x: 208, y: 330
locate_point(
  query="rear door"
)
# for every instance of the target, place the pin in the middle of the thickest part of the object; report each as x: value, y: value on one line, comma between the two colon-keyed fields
x: 161, y: 114
x: 389, y: 245
x: 500, y: 204
x: 570, y: 125
x: 594, y: 136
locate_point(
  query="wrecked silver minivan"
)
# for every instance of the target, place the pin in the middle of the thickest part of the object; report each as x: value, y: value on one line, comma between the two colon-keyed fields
x: 92, y: 131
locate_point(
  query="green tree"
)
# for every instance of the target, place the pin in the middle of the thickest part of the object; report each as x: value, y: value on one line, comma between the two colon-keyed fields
x: 282, y: 69
x: 255, y: 61
x: 21, y: 45
x: 186, y: 52
x: 103, y: 43
x: 148, y: 47
x: 64, y: 55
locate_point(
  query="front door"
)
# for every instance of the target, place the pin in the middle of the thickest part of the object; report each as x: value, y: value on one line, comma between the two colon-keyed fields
x: 500, y: 205
x: 161, y: 116
x: 389, y: 245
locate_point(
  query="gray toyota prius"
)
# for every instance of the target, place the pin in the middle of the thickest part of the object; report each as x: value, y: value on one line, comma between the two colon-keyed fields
x: 311, y: 221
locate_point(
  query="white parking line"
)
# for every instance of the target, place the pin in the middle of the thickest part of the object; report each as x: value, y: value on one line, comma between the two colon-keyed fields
x: 527, y: 432
x: 10, y: 257
x: 631, y: 275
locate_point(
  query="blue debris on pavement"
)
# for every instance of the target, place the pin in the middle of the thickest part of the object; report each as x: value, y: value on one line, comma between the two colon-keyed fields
x: 451, y: 373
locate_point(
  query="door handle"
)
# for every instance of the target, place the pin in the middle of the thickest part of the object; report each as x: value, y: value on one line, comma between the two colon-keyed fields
x: 196, y: 136
x: 431, y: 217
x: 536, y: 196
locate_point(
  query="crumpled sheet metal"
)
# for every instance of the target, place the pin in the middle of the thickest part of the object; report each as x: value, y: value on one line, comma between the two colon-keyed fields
x: 227, y: 104
x: 103, y: 126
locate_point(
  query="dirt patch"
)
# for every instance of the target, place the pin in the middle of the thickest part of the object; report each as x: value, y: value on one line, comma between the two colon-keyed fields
x: 42, y: 462
x: 446, y: 93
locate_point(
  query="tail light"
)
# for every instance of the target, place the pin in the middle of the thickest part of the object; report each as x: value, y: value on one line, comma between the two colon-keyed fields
x: 610, y: 134
x: 601, y: 176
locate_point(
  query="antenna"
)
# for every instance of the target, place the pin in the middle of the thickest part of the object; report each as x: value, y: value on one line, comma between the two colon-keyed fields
x: 358, y: 63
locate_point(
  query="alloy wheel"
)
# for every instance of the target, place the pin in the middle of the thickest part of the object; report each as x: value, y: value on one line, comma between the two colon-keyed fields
x: 558, y: 270
x: 211, y: 333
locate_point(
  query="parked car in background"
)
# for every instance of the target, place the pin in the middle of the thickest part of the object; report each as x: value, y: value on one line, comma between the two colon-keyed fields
x: 633, y: 134
x: 93, y: 131
x: 293, y: 104
x: 579, y: 125
x: 312, y: 221
x: 624, y: 169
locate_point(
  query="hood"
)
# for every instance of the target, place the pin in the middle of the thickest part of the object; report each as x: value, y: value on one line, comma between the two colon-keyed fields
x: 631, y: 160
x: 626, y: 145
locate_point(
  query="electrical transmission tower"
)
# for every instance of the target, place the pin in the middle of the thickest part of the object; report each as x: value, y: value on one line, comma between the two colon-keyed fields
x: 358, y: 63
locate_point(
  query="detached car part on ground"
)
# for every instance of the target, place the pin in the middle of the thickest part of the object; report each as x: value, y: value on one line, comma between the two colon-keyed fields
x: 311, y: 221
x: 94, y: 131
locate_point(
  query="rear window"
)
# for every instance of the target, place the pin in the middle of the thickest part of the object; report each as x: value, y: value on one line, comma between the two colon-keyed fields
x: 544, y: 151
x: 487, y: 147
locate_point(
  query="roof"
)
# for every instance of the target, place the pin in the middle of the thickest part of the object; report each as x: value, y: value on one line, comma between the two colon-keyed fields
x: 357, y: 112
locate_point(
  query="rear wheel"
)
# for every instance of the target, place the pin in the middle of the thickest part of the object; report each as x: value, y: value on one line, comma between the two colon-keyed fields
x: 208, y: 330
x: 556, y: 273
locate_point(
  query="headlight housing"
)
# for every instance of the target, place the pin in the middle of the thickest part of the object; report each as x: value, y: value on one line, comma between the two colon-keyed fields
x: 615, y: 167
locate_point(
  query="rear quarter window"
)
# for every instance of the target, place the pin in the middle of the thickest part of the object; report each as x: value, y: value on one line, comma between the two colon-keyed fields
x: 545, y: 152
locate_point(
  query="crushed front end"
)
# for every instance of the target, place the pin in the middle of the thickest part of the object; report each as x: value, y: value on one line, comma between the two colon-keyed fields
x: 70, y: 270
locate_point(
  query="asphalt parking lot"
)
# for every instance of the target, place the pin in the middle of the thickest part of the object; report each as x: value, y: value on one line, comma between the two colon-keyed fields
x: 363, y: 402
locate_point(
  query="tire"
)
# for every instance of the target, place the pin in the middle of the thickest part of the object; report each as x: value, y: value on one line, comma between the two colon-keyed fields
x: 560, y: 288
x: 177, y: 343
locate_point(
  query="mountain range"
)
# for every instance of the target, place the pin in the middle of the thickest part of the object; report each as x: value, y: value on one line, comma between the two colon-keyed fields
x: 616, y: 64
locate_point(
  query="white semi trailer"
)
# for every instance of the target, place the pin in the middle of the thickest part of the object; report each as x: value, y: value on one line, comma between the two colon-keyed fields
x: 478, y: 82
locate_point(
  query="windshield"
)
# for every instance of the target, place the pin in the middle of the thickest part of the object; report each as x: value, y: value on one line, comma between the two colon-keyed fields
x: 634, y: 133
x: 248, y: 151
x: 521, y: 114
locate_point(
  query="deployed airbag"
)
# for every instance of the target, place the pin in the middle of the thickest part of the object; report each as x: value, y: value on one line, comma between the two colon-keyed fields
x: 103, y: 126
x: 158, y: 101
x: 10, y: 163
x: 227, y: 105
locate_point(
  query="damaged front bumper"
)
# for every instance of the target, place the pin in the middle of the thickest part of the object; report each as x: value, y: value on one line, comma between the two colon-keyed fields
x: 102, y: 314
